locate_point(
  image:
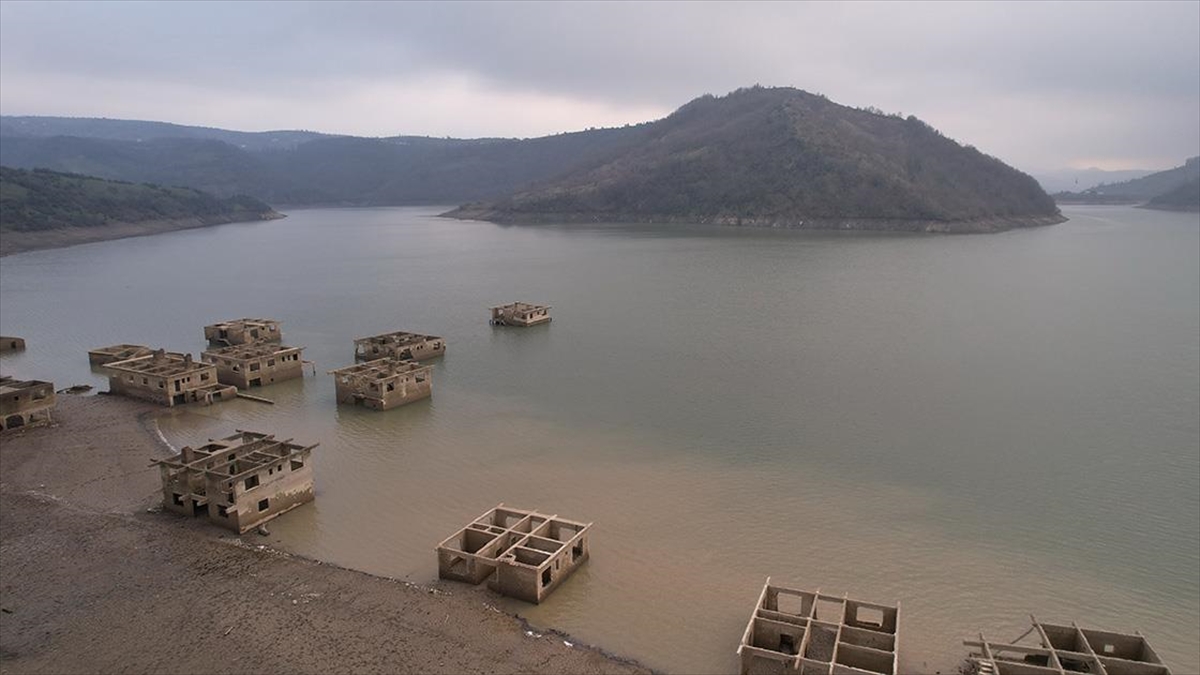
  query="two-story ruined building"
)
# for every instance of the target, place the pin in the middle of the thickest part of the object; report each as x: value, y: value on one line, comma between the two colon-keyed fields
x: 383, y: 383
x: 242, y: 332
x: 24, y: 402
x: 238, y: 482
x: 255, y: 365
x: 167, y: 378
x: 400, y: 345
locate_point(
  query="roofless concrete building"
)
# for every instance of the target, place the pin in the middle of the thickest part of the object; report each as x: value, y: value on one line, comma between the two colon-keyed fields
x: 25, y: 403
x: 1055, y: 649
x: 399, y: 345
x: 243, y: 332
x: 521, y: 554
x: 811, y: 632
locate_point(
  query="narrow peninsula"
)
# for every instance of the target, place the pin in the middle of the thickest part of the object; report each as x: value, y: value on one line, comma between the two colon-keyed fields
x: 48, y: 209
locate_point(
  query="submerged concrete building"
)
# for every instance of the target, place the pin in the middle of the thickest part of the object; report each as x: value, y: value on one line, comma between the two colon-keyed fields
x: 521, y: 554
x: 240, y: 481
x: 1062, y: 650
x: 384, y: 383
x: 243, y: 332
x: 25, y: 403
x: 520, y: 314
x: 254, y: 365
x: 811, y: 632
x: 167, y: 378
x: 11, y: 344
x: 399, y: 345
x: 104, y: 355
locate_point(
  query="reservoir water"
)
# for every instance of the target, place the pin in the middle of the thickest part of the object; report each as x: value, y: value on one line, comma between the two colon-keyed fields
x: 980, y: 427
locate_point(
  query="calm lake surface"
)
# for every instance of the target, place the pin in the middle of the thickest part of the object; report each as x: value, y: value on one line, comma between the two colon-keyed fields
x: 981, y: 427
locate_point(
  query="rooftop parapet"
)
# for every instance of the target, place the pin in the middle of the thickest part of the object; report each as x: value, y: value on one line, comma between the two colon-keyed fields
x: 384, y: 383
x: 400, y: 345
x: 104, y: 355
x: 817, y: 633
x: 25, y: 402
x: 240, y: 481
x: 519, y: 314
x: 243, y: 331
x: 1055, y: 649
x: 522, y: 554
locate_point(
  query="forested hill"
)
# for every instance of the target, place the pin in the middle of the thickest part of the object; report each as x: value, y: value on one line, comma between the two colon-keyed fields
x: 784, y: 157
x: 1168, y: 189
x: 39, y: 200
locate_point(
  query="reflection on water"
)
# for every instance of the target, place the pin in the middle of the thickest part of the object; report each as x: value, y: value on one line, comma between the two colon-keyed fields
x: 979, y: 427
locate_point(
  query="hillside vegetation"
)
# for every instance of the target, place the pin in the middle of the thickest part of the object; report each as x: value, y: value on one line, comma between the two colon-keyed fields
x: 43, y: 200
x: 757, y: 156
x: 785, y: 157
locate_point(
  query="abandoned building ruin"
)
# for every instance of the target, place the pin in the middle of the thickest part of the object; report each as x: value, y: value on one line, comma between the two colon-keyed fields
x: 167, y: 378
x: 255, y: 365
x: 520, y: 314
x: 101, y: 356
x: 384, y: 383
x: 816, y: 633
x: 11, y: 344
x: 24, y: 403
x: 521, y: 554
x: 240, y: 481
x: 400, y: 345
x: 1062, y: 650
x: 242, y: 332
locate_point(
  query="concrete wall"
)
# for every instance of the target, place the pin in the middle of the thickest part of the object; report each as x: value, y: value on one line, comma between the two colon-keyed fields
x: 247, y: 373
x: 281, y: 487
x: 11, y: 344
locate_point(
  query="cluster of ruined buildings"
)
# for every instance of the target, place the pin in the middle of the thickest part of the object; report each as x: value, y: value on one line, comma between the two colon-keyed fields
x: 243, y: 480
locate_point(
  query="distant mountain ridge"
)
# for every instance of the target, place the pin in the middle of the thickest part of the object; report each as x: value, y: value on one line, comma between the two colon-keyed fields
x: 787, y: 158
x: 1169, y: 190
x: 758, y: 156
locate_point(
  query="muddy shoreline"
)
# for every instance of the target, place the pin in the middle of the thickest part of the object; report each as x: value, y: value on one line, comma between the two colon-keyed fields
x: 94, y: 577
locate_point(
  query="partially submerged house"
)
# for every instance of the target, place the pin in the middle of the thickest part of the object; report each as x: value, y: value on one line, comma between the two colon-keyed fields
x: 167, y: 378
x: 399, y: 345
x: 243, y: 332
x: 812, y: 632
x: 240, y: 481
x: 11, y: 344
x: 104, y: 355
x: 520, y: 314
x: 384, y: 383
x: 24, y: 402
x: 254, y: 365
x: 1055, y: 649
x: 521, y: 554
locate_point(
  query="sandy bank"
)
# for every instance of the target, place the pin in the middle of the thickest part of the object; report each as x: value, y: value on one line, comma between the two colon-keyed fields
x: 18, y: 242
x: 90, y: 581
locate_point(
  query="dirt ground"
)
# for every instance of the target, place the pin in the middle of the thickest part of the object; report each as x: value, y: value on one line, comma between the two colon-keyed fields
x: 94, y: 579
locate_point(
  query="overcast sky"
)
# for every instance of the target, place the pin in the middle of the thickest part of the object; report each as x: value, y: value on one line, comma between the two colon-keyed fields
x: 1040, y: 85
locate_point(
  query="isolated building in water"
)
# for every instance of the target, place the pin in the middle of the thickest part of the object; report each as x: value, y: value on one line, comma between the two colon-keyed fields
x: 238, y: 482
x: 520, y: 314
